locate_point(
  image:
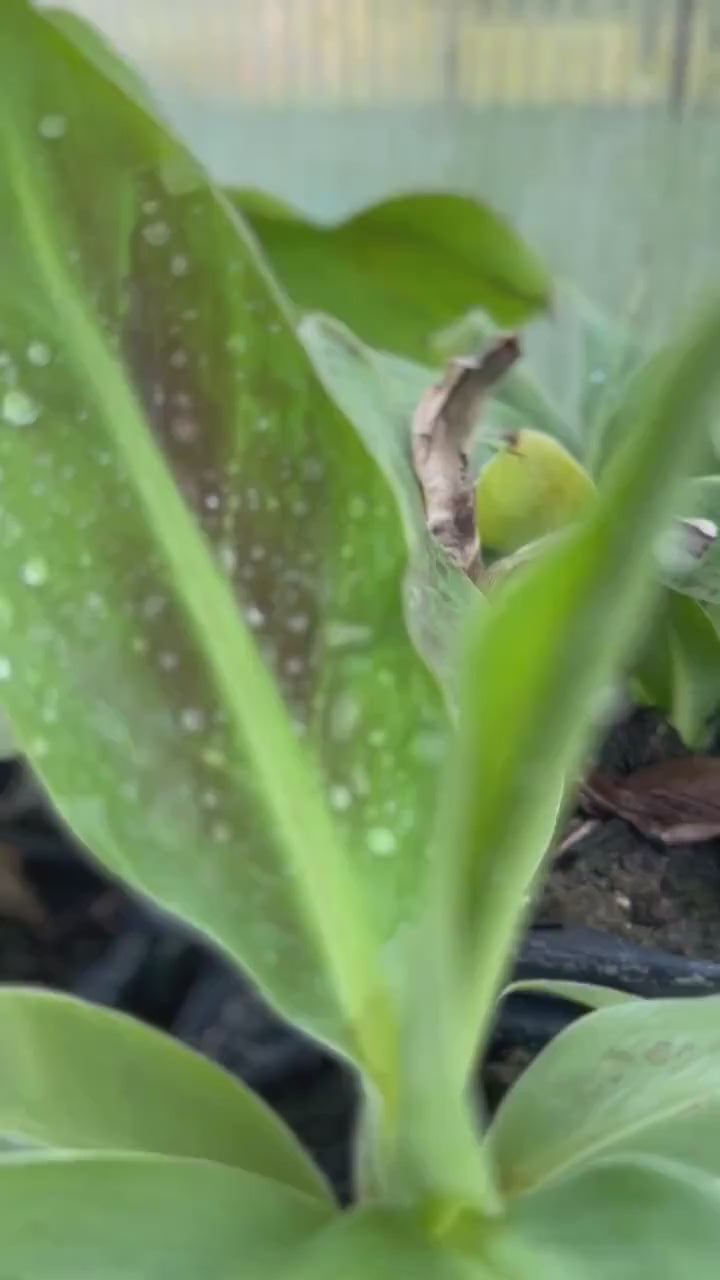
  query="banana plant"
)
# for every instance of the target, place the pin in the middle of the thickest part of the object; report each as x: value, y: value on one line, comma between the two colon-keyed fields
x: 211, y: 660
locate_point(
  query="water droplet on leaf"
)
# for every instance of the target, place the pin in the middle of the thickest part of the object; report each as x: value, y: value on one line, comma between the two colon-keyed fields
x: 340, y: 798
x: 157, y: 233
x: 18, y: 409
x: 381, y: 842
x: 344, y: 717
x: 52, y: 126
x: 192, y: 720
x: 298, y: 623
x: 34, y: 573
x: 39, y: 353
x: 254, y: 616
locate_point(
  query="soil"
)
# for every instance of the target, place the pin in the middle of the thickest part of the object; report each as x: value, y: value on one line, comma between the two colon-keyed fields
x: 614, y: 879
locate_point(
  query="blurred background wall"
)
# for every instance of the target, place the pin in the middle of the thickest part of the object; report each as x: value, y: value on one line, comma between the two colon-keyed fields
x: 594, y: 123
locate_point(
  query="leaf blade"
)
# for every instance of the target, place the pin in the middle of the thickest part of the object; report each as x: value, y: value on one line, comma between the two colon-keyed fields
x: 642, y: 1220
x: 640, y: 1079
x: 171, y: 403
x: 152, y: 1094
x: 397, y: 271
x: 74, y: 1217
x: 589, y: 994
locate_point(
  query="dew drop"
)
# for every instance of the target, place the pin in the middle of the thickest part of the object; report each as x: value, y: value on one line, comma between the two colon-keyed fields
x: 340, y: 798
x: 18, y: 409
x: 360, y: 780
x: 179, y: 359
x: 52, y: 126
x: 39, y: 354
x: 254, y: 616
x: 220, y: 832
x: 153, y: 606
x: 228, y: 557
x: 192, y: 720
x: 179, y: 265
x: 34, y: 573
x: 184, y: 430
x: 313, y: 469
x: 212, y: 501
x: 168, y: 661
x: 157, y: 233
x: 298, y: 623
x: 344, y: 717
x: 5, y: 668
x: 381, y: 842
x: 150, y: 207
x: 598, y: 376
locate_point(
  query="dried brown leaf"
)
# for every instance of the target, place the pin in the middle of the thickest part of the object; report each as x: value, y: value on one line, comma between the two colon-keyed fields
x: 675, y: 802
x: 443, y: 425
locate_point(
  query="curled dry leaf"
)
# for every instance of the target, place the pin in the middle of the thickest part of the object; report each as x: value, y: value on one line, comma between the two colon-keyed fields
x: 675, y: 802
x: 686, y: 543
x: 443, y: 425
